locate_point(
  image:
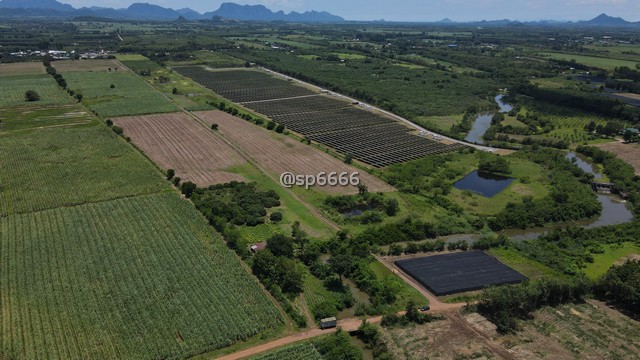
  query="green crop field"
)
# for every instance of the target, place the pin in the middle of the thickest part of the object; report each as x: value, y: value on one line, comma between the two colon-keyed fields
x: 256, y: 234
x: 13, y: 89
x: 53, y: 167
x: 29, y: 118
x: 130, y: 95
x: 135, y: 278
x: 299, y: 351
x: 138, y: 62
x: 600, y: 62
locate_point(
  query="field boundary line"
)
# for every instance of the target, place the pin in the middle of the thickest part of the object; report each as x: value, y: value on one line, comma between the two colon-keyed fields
x: 278, y: 99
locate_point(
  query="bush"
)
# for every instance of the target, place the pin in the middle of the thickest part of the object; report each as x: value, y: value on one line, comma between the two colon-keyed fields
x: 31, y: 95
x: 117, y: 129
x: 275, y: 216
x: 271, y: 125
x: 170, y: 174
x: 109, y: 122
x: 279, y: 128
x: 176, y: 181
x: 214, y: 126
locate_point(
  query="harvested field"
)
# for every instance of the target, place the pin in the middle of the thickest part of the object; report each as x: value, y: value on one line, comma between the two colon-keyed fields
x: 627, y: 152
x: 176, y: 141
x: 278, y: 153
x: 23, y: 68
x: 21, y: 118
x: 86, y: 65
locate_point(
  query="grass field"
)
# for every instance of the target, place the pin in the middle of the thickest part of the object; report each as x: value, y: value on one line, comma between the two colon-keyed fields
x: 130, y: 95
x: 522, y: 264
x: 404, y: 291
x: 15, y: 86
x: 600, y: 62
x: 141, y: 277
x: 67, y: 166
x: 299, y: 351
x: 520, y: 169
x: 23, y: 118
x: 137, y: 62
x: 612, y: 254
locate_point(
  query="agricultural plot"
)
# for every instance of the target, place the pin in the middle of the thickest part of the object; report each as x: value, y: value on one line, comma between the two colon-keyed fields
x: 68, y: 166
x: 138, y: 62
x: 299, y: 351
x: 135, y: 278
x: 22, y: 68
x: 130, y: 95
x: 87, y: 65
x: 459, y: 272
x: 14, y: 87
x: 593, y: 61
x: 257, y: 234
x: 279, y: 153
x: 176, y: 141
x: 30, y: 118
x: 369, y: 137
x: 627, y: 152
x: 244, y: 85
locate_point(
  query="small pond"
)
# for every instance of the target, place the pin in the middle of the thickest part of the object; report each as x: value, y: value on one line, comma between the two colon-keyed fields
x: 483, y: 183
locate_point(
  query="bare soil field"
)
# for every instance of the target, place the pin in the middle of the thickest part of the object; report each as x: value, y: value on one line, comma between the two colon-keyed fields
x: 442, y: 339
x: 278, y: 153
x: 627, y: 152
x: 585, y: 331
x: 87, y: 65
x: 176, y: 141
x: 23, y: 68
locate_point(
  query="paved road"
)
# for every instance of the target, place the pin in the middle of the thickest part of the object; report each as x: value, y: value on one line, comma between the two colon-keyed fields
x: 400, y: 118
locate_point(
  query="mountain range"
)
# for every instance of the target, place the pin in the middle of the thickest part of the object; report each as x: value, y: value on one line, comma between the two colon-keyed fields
x: 144, y: 11
x: 234, y: 12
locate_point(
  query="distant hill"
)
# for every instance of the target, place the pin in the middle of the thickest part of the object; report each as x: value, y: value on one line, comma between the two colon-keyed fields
x: 190, y: 14
x: 261, y: 13
x: 36, y: 4
x: 606, y: 20
x: 144, y: 11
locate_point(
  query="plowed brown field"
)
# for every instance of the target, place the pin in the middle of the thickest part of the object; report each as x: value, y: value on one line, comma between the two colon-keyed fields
x: 279, y: 153
x: 176, y: 141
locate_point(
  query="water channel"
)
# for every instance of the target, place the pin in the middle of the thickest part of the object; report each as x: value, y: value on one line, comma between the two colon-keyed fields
x: 482, y: 123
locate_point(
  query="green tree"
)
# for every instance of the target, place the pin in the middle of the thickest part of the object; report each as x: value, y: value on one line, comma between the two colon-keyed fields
x: 275, y: 216
x: 174, y: 91
x: 214, y: 126
x: 280, y: 245
x: 279, y: 128
x: 341, y: 264
x: 188, y: 188
x: 348, y: 159
x: 170, y: 174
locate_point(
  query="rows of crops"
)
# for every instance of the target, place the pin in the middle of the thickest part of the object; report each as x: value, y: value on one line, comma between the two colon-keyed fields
x: 299, y: 351
x: 135, y: 278
x: 13, y: 90
x: 40, y: 170
x: 374, y: 139
x: 244, y: 85
x: 256, y: 234
x: 130, y: 95
x: 21, y: 118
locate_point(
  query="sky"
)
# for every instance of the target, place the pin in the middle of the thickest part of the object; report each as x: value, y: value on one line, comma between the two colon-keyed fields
x: 417, y: 10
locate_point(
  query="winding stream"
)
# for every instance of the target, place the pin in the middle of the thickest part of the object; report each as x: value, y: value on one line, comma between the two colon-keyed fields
x: 482, y: 123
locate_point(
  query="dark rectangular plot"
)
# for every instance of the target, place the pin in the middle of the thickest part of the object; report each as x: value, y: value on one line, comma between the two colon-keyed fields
x: 459, y: 272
